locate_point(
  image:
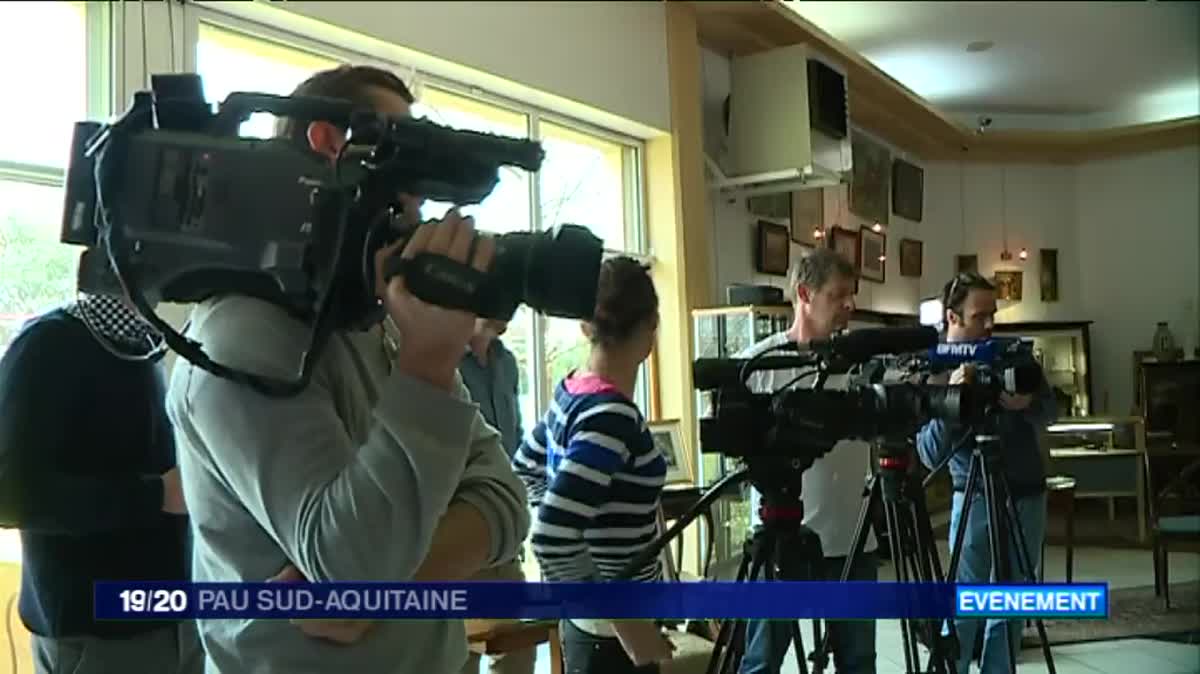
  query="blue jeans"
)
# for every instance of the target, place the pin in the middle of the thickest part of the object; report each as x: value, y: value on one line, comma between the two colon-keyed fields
x: 853, y: 641
x: 975, y: 566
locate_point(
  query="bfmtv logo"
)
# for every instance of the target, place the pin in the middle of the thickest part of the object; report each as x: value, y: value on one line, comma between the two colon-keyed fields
x: 957, y: 352
x: 962, y: 350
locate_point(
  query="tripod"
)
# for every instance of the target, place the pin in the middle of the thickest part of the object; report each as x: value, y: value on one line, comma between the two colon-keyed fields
x: 781, y: 548
x: 913, y: 551
x: 987, y: 472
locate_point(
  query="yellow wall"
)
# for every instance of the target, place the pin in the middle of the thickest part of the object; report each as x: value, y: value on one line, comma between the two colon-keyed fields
x: 677, y: 210
x: 18, y: 638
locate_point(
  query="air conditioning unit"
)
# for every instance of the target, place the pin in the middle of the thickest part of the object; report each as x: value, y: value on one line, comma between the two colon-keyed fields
x: 789, y: 125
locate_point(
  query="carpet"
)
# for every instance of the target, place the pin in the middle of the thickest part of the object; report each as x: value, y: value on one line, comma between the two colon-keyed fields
x: 1132, y: 612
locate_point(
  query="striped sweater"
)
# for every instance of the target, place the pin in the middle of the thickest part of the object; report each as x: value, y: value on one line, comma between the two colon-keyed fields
x: 594, y: 478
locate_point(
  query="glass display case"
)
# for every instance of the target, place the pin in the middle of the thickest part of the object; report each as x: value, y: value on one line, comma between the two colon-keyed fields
x: 722, y: 332
x: 1064, y: 351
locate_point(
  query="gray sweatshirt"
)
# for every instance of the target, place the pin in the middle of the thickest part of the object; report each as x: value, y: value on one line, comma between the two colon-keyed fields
x: 347, y: 481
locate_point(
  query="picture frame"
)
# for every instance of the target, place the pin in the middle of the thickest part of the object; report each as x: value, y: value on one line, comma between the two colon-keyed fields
x: 808, y: 214
x: 871, y: 178
x: 668, y: 439
x: 1049, y: 274
x: 911, y: 253
x: 1008, y: 285
x: 774, y: 249
x: 908, y: 190
x: 846, y: 243
x: 873, y: 255
x: 966, y: 263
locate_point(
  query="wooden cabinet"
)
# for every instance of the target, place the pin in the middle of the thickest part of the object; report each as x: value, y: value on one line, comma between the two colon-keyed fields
x: 1167, y: 396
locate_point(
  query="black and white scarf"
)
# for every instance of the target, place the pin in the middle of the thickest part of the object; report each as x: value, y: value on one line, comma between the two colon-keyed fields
x: 110, y: 320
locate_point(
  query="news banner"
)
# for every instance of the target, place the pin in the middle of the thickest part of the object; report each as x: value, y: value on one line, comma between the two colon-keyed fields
x: 610, y: 600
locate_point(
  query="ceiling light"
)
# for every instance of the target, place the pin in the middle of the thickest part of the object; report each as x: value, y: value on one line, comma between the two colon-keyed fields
x: 979, y: 45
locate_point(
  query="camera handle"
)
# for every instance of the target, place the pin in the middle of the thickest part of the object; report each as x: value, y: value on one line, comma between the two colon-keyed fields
x: 653, y: 550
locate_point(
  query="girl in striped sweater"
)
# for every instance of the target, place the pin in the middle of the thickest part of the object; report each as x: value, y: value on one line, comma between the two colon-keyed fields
x: 594, y: 476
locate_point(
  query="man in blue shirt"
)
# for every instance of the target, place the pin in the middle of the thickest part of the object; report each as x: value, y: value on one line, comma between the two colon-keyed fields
x: 490, y: 372
x: 969, y: 303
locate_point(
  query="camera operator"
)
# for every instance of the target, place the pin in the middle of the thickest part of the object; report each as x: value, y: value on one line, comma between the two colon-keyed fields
x: 823, y: 287
x: 969, y: 303
x: 381, y: 469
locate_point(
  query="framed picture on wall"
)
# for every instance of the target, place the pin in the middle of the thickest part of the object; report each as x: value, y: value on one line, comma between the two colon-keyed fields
x: 1049, y: 275
x: 774, y: 248
x: 668, y: 439
x: 845, y: 243
x: 1008, y: 285
x: 873, y: 259
x: 908, y: 190
x: 871, y: 179
x: 911, y: 251
x: 808, y: 214
x: 966, y: 263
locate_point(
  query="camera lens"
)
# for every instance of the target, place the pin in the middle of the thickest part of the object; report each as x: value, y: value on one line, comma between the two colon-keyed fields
x: 556, y: 272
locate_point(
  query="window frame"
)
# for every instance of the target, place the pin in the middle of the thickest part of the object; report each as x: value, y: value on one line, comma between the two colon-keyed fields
x: 100, y: 29
x: 100, y: 51
x: 633, y: 159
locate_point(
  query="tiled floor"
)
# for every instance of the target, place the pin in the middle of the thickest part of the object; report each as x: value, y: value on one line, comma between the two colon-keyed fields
x: 1119, y: 568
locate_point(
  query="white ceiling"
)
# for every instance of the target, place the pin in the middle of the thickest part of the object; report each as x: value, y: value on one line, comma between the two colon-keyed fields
x: 1054, y: 64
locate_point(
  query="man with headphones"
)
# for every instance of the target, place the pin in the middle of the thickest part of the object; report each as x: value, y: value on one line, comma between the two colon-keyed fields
x: 969, y: 313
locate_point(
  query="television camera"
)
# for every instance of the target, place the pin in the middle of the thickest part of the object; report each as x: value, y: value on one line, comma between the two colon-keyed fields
x: 172, y: 205
x: 886, y: 397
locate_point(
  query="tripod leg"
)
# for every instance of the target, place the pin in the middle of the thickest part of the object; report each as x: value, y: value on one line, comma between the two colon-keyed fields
x: 943, y: 651
x: 963, y: 517
x: 962, y: 633
x: 996, y: 502
x: 1025, y: 563
x: 871, y: 496
x: 896, y: 544
x: 731, y: 631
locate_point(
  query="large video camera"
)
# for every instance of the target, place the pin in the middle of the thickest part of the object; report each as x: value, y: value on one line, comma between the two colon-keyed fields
x: 886, y: 398
x: 174, y: 206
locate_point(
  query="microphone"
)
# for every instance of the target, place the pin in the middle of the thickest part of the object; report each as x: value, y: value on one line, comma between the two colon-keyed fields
x: 861, y: 345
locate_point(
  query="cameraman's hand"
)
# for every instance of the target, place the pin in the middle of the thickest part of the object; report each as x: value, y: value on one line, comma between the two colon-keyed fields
x: 963, y: 374
x: 1015, y: 402
x: 173, y: 493
x: 432, y: 338
x: 337, y: 631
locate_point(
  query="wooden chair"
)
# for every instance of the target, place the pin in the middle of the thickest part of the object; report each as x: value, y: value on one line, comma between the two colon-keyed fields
x: 1174, y: 514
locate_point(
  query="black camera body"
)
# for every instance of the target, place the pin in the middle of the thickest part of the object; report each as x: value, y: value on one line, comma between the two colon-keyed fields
x: 172, y: 205
x: 886, y: 399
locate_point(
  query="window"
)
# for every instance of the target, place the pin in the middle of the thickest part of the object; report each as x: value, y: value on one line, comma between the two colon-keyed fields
x: 228, y: 61
x: 506, y: 209
x: 589, y: 178
x: 592, y: 181
x: 64, y: 80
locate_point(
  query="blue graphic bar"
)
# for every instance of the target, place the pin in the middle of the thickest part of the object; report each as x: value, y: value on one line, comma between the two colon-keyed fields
x: 527, y: 601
